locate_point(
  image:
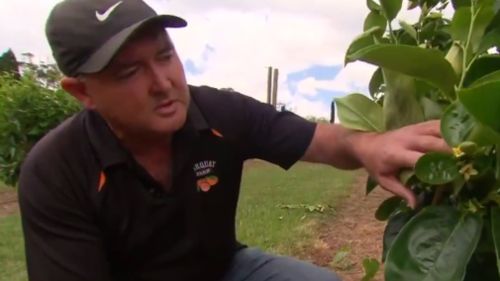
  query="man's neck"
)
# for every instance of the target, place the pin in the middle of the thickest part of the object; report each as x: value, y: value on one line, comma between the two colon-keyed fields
x: 147, y: 146
x: 142, y: 143
x: 154, y: 154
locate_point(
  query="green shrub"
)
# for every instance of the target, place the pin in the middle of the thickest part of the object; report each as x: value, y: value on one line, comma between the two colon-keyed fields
x: 27, y: 112
x: 448, y: 69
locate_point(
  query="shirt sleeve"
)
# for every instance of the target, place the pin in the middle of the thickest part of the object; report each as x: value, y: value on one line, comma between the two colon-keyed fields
x: 62, y: 241
x: 261, y: 131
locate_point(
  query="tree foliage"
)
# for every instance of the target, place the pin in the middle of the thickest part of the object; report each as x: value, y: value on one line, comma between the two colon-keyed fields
x: 28, y: 110
x: 9, y: 64
x: 448, y: 69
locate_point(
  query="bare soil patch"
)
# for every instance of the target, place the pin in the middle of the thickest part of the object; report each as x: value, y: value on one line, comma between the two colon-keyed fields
x: 8, y: 203
x: 352, y: 235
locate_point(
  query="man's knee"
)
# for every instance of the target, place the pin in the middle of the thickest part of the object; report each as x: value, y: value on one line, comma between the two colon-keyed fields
x: 295, y: 270
x: 255, y: 265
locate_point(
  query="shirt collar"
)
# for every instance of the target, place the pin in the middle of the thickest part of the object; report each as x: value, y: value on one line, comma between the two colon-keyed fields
x: 110, y: 151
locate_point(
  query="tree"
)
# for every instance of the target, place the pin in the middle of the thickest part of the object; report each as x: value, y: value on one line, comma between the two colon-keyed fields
x: 9, y: 64
x: 48, y: 74
x: 437, y: 68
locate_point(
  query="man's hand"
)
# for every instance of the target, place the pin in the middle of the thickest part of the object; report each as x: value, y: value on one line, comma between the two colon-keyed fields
x: 383, y: 155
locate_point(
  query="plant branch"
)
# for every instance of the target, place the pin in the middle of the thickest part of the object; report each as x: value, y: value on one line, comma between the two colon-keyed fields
x: 391, y: 31
x: 439, y: 195
x: 466, y: 66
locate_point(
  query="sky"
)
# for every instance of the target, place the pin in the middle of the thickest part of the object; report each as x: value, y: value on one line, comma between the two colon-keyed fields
x: 231, y: 43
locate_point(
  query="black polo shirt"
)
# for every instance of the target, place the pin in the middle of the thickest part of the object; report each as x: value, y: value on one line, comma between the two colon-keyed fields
x: 90, y: 212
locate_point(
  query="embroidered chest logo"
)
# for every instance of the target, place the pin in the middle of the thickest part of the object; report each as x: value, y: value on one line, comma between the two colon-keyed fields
x: 204, y: 172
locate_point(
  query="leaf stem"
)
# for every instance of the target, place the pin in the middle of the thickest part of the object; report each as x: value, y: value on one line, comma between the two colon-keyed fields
x: 497, y: 168
x: 391, y: 31
x: 439, y: 195
x: 466, y: 66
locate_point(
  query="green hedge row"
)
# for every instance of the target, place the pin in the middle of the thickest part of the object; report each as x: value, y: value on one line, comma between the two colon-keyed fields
x: 27, y: 112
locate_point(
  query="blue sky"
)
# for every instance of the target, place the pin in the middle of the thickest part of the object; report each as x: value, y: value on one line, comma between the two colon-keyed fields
x: 319, y: 73
x: 231, y: 43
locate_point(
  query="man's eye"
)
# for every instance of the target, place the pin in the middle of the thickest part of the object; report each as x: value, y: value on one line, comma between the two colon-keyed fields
x: 127, y: 72
x: 165, y: 56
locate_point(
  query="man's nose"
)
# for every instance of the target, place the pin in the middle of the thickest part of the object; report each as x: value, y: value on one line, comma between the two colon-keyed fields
x: 160, y: 79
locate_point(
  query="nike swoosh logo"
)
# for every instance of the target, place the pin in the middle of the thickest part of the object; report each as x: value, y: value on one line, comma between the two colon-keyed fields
x: 104, y: 16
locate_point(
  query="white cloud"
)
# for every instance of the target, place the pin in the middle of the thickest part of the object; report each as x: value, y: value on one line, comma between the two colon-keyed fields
x: 301, y: 105
x: 22, y: 26
x: 247, y: 36
x: 354, y: 77
x: 308, y: 87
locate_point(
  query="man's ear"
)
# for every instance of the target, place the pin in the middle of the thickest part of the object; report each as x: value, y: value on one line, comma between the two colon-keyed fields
x: 76, y: 87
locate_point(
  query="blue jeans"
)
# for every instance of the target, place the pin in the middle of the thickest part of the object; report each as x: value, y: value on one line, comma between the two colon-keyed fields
x: 251, y: 264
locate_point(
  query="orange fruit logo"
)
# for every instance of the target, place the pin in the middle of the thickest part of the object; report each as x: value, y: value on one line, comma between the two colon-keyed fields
x: 206, y: 183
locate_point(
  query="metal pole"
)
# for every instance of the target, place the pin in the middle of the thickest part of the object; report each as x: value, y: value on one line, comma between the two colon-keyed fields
x: 332, y: 112
x: 275, y: 87
x: 269, y: 83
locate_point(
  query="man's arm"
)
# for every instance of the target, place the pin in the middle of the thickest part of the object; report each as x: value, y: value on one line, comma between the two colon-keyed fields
x: 383, y: 155
x: 62, y: 239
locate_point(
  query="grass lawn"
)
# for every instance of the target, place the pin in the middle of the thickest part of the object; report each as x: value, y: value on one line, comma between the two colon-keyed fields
x: 272, y: 212
x: 12, y: 264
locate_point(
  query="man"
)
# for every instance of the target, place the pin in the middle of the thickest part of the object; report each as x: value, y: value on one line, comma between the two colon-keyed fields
x: 143, y: 184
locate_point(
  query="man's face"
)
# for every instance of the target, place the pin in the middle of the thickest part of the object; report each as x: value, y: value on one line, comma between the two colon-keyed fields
x: 143, y: 90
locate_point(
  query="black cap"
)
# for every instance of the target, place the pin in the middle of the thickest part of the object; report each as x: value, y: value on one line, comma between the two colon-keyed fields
x: 85, y: 34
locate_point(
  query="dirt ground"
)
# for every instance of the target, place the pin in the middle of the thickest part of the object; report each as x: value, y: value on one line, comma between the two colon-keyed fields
x: 352, y: 235
x: 8, y: 203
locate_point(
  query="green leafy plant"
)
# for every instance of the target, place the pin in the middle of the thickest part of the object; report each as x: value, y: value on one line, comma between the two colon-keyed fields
x: 28, y: 111
x: 445, y: 68
x: 371, y: 267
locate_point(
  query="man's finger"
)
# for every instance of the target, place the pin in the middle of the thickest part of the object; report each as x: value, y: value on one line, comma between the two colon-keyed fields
x: 408, y: 158
x: 430, y: 143
x: 432, y: 128
x: 392, y: 185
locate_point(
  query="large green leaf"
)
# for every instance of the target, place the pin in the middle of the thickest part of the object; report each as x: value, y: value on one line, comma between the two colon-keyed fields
x: 391, y: 8
x: 392, y: 229
x: 460, y: 3
x: 373, y: 6
x: 358, y: 112
x: 409, y: 29
x: 432, y: 110
x: 458, y: 126
x: 437, y: 168
x: 481, y: 67
x: 435, y: 245
x: 492, y: 77
x: 490, y: 40
x: 484, y: 18
x: 482, y: 267
x: 460, y: 24
x: 387, y: 207
x: 375, y: 82
x: 362, y: 41
x: 495, y: 228
x: 462, y: 20
x: 425, y: 64
x: 495, y: 22
x: 375, y: 19
x: 401, y: 106
x: 455, y: 57
x: 483, y: 102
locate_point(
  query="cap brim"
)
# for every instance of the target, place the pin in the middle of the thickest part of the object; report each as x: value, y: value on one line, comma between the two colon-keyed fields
x: 102, y: 57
